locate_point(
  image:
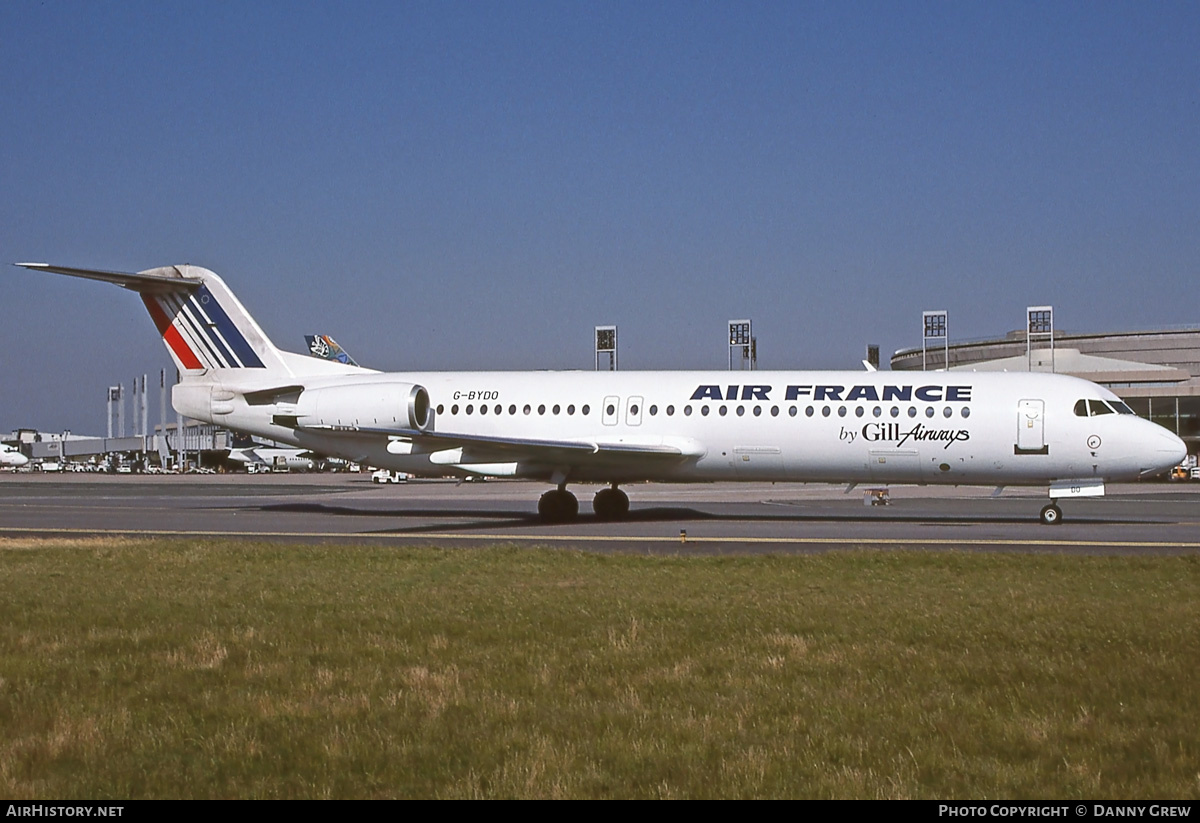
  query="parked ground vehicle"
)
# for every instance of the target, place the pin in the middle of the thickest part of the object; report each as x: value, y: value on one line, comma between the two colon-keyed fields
x: 388, y: 476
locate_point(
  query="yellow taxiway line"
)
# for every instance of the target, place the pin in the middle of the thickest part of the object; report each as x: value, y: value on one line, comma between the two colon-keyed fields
x: 596, y: 538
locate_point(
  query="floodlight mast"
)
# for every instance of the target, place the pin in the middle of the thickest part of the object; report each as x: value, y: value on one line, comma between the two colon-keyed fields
x: 936, y: 327
x: 873, y: 355
x: 1039, y: 323
x: 741, y: 338
x: 606, y: 347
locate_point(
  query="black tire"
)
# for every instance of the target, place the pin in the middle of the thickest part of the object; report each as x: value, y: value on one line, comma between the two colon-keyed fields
x: 1051, y: 515
x: 610, y: 504
x: 558, y: 506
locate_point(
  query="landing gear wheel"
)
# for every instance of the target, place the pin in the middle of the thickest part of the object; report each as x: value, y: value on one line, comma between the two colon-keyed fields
x: 1051, y: 515
x: 610, y: 504
x: 558, y: 506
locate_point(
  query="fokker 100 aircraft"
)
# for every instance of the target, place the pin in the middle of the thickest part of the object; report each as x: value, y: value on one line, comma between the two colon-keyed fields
x: 948, y: 427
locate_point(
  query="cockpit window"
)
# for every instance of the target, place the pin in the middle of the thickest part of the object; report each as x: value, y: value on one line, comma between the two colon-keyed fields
x: 1092, y: 408
x: 1121, y: 407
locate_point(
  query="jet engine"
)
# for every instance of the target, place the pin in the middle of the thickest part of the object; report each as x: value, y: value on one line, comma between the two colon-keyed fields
x: 365, y: 405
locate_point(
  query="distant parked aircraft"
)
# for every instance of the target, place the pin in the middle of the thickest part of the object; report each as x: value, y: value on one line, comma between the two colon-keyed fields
x: 11, y: 457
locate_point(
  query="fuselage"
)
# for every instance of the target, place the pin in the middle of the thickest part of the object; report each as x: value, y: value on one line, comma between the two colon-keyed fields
x: 10, y: 457
x: 884, y: 427
x: 620, y: 427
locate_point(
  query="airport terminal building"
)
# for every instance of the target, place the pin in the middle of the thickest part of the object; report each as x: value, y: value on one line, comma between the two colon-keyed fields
x: 1156, y: 372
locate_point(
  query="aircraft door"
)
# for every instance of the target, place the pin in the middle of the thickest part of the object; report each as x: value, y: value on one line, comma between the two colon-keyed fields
x: 1031, y: 435
x: 894, y: 465
x: 633, y: 412
x: 610, y: 411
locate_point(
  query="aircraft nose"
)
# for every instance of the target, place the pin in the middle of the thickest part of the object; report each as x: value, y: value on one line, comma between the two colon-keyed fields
x: 1177, y: 448
x: 1166, y: 449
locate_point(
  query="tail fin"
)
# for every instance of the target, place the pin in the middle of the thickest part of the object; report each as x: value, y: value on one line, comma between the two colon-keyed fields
x: 202, y: 324
x: 206, y: 326
x: 326, y: 348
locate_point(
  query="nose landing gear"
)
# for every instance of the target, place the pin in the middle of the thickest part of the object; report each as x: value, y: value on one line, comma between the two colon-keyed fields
x: 1051, y: 515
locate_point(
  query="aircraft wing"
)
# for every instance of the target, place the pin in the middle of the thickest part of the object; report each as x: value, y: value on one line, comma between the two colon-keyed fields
x: 455, y: 448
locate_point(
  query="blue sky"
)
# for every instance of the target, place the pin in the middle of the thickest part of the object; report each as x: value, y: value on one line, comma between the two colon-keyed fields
x: 476, y: 185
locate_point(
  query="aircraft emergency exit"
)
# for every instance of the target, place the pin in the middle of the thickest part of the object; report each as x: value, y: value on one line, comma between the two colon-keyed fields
x: 614, y: 428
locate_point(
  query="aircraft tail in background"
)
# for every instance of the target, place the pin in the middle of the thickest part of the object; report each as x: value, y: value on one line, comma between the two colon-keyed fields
x: 326, y: 348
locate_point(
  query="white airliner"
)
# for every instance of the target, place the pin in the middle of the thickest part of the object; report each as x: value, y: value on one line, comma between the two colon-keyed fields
x: 266, y: 458
x: 956, y: 427
x: 11, y: 457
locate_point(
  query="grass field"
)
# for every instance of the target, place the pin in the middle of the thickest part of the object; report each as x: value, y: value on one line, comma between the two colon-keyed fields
x: 200, y: 669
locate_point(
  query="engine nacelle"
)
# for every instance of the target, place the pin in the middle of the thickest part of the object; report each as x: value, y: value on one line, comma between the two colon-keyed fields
x: 365, y: 405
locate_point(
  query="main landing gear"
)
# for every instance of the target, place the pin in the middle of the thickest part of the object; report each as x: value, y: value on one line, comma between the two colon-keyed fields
x: 1051, y: 515
x: 560, y: 506
x: 610, y: 504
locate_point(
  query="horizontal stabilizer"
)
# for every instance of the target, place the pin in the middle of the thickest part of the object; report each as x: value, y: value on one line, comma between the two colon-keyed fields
x: 145, y: 283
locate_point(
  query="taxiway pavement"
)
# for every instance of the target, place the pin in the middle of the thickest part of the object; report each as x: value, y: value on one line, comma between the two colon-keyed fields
x: 720, y: 518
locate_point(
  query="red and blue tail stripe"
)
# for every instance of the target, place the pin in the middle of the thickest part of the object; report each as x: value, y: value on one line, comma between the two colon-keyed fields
x: 199, y: 332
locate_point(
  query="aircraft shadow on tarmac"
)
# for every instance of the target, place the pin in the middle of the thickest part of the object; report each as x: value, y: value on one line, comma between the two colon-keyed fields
x: 467, y: 519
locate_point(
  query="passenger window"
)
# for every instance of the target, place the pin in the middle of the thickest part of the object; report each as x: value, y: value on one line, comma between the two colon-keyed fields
x: 670, y: 411
x: 653, y: 410
x: 454, y: 409
x: 512, y: 409
x: 586, y: 408
x: 571, y: 409
x: 859, y: 411
x: 704, y: 410
x: 527, y: 409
